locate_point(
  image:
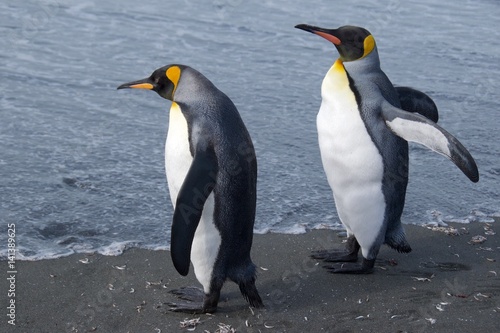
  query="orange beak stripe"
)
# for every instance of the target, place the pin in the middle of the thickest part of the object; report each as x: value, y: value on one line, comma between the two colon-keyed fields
x: 148, y: 86
x: 328, y: 37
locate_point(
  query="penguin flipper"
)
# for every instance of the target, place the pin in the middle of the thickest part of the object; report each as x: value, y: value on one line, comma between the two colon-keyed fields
x: 416, y: 128
x: 197, y: 186
x: 413, y: 100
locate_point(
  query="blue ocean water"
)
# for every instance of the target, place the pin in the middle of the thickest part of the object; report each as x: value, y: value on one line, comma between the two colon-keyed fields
x: 81, y: 164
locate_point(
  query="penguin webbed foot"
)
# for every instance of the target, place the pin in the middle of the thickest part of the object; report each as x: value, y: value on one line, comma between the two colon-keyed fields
x: 334, y: 255
x: 196, y: 301
x: 189, y: 307
x: 191, y: 294
x: 350, y: 254
x: 366, y: 267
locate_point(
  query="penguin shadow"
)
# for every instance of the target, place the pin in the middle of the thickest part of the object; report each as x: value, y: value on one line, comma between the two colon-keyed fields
x: 188, y: 291
x: 308, y: 283
x: 425, y: 268
x: 289, y: 280
x: 422, y: 279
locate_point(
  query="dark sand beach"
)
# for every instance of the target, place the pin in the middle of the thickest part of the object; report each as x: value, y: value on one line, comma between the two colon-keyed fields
x: 447, y: 284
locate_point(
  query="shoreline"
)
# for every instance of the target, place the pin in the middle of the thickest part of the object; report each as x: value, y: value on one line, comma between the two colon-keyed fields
x: 447, y: 284
x: 117, y: 248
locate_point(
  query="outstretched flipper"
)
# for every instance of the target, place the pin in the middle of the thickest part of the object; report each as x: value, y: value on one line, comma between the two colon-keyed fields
x: 413, y: 100
x: 416, y: 128
x: 197, y: 186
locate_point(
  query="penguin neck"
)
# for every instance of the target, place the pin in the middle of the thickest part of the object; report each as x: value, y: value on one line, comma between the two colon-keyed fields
x: 193, y: 86
x: 368, y: 63
x: 176, y: 116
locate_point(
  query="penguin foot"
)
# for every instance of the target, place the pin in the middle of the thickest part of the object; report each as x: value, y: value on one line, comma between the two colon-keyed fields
x: 197, y: 301
x: 191, y: 294
x: 190, y: 307
x: 335, y: 255
x: 351, y: 268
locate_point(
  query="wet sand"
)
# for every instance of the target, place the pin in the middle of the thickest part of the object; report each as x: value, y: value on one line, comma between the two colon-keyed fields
x: 447, y: 284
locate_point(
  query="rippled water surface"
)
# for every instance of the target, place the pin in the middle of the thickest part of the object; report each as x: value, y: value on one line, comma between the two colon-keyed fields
x: 81, y: 164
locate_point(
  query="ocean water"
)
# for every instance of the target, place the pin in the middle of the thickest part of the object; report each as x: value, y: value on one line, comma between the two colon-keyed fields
x: 81, y: 164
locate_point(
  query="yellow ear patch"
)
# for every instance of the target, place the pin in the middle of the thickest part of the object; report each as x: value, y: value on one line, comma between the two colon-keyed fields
x: 368, y: 45
x: 173, y: 73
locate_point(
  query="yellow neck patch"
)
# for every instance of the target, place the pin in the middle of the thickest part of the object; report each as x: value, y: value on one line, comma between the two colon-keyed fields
x: 176, y: 115
x: 335, y: 80
x: 338, y: 66
x: 175, y: 110
x: 174, y: 74
x: 368, y: 45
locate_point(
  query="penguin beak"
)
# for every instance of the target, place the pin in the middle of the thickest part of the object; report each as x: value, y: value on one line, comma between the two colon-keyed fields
x: 139, y: 84
x: 328, y: 34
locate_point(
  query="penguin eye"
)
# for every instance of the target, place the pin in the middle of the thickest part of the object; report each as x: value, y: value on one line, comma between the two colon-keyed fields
x: 156, y: 80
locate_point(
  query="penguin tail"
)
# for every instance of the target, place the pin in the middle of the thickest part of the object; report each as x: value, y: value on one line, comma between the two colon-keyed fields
x: 246, y: 282
x: 396, y: 239
x: 250, y: 293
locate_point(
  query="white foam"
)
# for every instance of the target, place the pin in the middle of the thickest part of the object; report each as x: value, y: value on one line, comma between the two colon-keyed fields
x: 298, y: 228
x: 116, y: 248
x: 46, y: 254
x: 437, y: 218
x: 474, y: 216
x: 159, y: 248
x: 262, y: 230
x: 328, y: 226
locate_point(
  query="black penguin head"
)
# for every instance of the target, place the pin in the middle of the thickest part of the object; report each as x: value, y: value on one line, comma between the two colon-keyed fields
x: 352, y: 42
x: 164, y: 81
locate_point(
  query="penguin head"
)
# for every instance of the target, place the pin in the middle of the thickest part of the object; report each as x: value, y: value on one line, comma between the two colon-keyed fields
x: 352, y: 42
x: 164, y: 81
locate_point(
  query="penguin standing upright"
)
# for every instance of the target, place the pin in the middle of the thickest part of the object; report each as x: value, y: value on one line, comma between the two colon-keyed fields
x: 363, y: 134
x: 212, y: 174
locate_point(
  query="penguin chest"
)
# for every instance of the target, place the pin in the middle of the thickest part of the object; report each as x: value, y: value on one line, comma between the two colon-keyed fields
x: 178, y: 157
x: 352, y: 162
x: 178, y: 160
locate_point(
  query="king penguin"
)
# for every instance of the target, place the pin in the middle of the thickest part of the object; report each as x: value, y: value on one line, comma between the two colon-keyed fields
x: 363, y: 133
x: 211, y: 171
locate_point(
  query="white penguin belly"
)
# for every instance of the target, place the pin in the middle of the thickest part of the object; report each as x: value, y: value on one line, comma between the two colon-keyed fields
x: 178, y: 160
x: 352, y: 162
x: 205, y: 246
